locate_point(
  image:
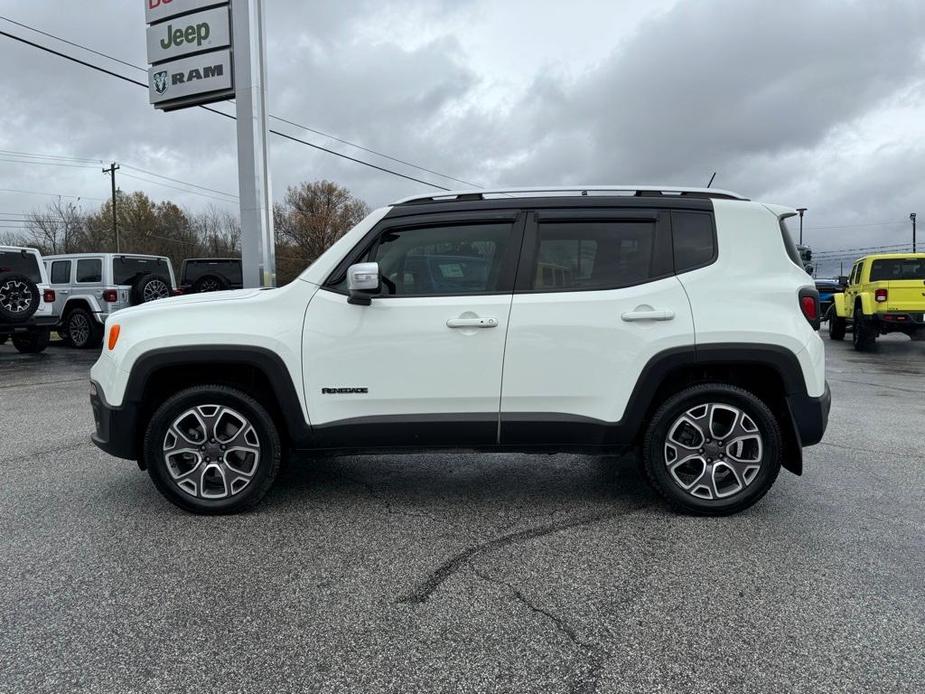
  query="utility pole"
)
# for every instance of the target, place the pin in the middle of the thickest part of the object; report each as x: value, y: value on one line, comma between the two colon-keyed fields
x: 801, y: 210
x: 115, y: 226
x: 912, y: 217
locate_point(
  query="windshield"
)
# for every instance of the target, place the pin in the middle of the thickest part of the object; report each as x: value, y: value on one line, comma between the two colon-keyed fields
x: 897, y: 269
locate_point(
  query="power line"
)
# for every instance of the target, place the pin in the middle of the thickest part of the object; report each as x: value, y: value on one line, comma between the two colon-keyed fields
x: 177, y: 180
x: 177, y: 188
x: 854, y: 226
x: 275, y: 132
x: 47, y: 163
x: 51, y: 195
x: 34, y: 155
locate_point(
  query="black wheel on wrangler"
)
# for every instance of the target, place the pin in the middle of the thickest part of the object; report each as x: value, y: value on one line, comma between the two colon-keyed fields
x: 836, y: 325
x: 864, y: 337
x: 32, y: 342
x: 712, y: 449
x: 212, y: 450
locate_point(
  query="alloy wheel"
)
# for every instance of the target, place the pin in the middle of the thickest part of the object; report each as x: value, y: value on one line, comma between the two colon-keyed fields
x: 155, y: 289
x: 78, y: 329
x: 713, y: 451
x: 211, y: 452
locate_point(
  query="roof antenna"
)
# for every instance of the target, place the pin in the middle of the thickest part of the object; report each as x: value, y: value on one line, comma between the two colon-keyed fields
x: 711, y: 179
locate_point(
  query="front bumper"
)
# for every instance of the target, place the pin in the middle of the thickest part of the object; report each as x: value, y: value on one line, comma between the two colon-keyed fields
x: 116, y: 427
x: 810, y: 415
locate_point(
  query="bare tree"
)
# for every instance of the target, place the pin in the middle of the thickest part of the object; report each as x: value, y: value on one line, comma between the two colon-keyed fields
x: 57, y: 229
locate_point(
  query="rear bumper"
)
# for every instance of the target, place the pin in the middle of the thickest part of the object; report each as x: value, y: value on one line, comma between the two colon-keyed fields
x: 900, y: 319
x: 810, y: 415
x: 34, y: 323
x: 115, y: 426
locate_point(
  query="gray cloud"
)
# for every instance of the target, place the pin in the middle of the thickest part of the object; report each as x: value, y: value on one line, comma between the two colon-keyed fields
x: 814, y: 102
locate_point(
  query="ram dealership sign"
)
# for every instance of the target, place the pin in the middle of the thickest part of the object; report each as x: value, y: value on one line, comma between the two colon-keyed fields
x: 189, y: 50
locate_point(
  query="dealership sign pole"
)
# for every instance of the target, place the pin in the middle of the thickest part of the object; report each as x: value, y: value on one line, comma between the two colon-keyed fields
x: 203, y: 51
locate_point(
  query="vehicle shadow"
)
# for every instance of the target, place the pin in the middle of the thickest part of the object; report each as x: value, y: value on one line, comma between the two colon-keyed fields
x: 443, y: 480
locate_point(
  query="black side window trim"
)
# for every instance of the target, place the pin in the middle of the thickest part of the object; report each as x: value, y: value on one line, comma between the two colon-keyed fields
x: 708, y: 263
x: 369, y: 242
x: 663, y: 253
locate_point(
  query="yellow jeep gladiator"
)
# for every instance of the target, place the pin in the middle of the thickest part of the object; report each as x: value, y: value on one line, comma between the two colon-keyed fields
x: 885, y: 294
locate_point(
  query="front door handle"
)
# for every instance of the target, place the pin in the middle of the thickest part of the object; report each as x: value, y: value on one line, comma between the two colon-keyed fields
x: 650, y: 314
x: 472, y: 323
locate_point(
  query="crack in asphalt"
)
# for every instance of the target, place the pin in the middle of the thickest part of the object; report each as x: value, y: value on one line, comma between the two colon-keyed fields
x: 422, y: 592
x: 49, y: 451
x: 595, y: 654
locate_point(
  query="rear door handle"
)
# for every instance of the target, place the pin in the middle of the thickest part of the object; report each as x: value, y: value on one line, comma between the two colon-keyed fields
x: 633, y: 316
x: 472, y: 323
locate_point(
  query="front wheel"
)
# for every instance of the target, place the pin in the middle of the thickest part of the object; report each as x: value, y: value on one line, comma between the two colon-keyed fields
x: 712, y: 449
x: 212, y: 450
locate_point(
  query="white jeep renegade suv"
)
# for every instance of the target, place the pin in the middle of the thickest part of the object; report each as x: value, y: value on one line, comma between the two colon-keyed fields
x: 680, y: 322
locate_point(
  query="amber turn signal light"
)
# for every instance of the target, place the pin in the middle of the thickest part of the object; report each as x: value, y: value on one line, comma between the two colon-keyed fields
x: 114, y: 336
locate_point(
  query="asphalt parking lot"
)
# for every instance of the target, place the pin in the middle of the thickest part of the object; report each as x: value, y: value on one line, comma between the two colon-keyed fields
x: 464, y: 573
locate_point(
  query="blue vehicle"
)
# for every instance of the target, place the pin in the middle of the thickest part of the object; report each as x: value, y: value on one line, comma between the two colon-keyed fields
x: 828, y: 288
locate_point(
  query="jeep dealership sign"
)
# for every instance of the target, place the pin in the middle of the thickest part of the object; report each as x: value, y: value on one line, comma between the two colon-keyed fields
x: 189, y: 50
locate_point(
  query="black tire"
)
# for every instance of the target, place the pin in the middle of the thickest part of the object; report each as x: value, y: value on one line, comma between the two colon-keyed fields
x: 266, y: 463
x: 82, y: 329
x: 864, y: 337
x: 837, y: 326
x: 19, y: 298
x: 917, y: 336
x: 149, y: 287
x: 765, y: 455
x: 210, y: 283
x: 3, y: 339
x: 32, y: 342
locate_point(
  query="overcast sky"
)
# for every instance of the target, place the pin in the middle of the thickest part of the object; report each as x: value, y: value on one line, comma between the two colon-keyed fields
x: 814, y: 103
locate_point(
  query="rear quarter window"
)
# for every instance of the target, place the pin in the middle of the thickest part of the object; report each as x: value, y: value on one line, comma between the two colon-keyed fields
x: 694, y: 240
x: 20, y: 263
x: 128, y: 270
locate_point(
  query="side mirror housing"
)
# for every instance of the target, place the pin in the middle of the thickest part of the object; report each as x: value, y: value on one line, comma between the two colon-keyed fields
x: 362, y: 281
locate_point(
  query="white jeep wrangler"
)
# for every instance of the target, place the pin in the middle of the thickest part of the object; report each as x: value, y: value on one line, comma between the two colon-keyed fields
x: 680, y: 322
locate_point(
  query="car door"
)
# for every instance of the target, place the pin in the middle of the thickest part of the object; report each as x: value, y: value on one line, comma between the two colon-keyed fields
x: 60, y: 276
x: 596, y: 298
x: 421, y: 365
x: 851, y: 291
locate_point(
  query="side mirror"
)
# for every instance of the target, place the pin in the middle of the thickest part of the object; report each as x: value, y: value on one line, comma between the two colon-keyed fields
x: 843, y: 280
x: 362, y: 280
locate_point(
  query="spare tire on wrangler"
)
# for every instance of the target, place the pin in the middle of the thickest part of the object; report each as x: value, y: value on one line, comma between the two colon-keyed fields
x: 19, y: 298
x: 149, y: 287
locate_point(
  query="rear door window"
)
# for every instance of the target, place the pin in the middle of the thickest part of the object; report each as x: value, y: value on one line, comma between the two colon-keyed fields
x: 90, y: 270
x: 61, y: 272
x: 593, y: 254
x: 230, y: 270
x: 127, y: 270
x: 21, y: 263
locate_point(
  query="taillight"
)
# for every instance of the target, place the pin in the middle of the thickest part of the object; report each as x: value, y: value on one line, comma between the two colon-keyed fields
x: 48, y: 296
x: 881, y: 295
x: 111, y: 295
x: 809, y: 306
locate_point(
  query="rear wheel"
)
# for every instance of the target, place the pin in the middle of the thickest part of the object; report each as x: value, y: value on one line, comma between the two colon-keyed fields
x: 712, y: 449
x: 212, y: 450
x: 209, y: 283
x: 32, y: 342
x: 864, y: 337
x: 836, y: 325
x: 83, y: 330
